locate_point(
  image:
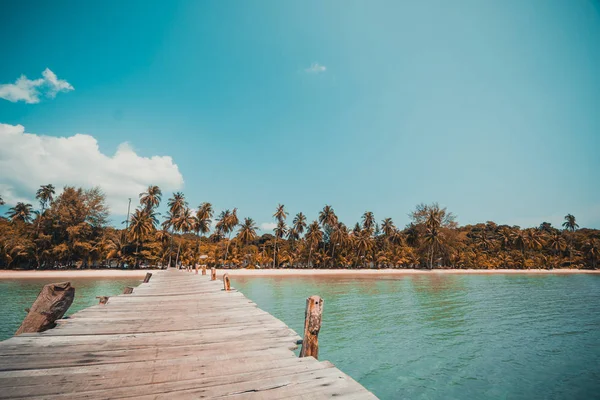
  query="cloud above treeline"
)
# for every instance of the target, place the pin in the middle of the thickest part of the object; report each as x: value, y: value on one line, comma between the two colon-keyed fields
x: 315, y: 68
x: 268, y: 227
x: 29, y: 160
x: 30, y: 91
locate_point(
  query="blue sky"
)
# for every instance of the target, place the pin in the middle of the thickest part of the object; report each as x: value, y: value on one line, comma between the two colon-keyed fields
x: 489, y: 108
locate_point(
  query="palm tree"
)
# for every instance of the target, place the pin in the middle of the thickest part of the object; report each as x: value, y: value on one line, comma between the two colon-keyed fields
x: 557, y: 242
x: 327, y: 217
x: 177, y: 203
x: 45, y: 195
x: 184, y: 223
x: 570, y: 225
x: 204, y: 216
x: 433, y: 237
x: 226, y: 223
x: 299, y: 223
x: 506, y: 237
x: 280, y: 231
x: 339, y: 237
x: 202, y: 222
x: 115, y: 248
x: 535, y: 240
x: 314, y: 235
x: 368, y: 221
x: 364, y: 243
x: 519, y: 239
x: 143, y: 223
x: 20, y: 212
x: 280, y: 213
x: 591, y: 248
x: 483, y: 240
x: 388, y: 227
x: 151, y: 197
x: 247, y: 231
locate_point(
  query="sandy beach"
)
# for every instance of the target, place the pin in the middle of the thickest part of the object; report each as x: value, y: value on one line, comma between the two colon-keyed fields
x: 93, y: 273
x: 115, y: 273
x: 387, y: 272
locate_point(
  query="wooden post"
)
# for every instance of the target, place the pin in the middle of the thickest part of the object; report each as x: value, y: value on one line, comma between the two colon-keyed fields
x: 213, y: 274
x: 226, y: 283
x: 51, y: 304
x: 204, y: 270
x: 147, y: 277
x: 102, y: 299
x: 128, y: 290
x: 312, y: 326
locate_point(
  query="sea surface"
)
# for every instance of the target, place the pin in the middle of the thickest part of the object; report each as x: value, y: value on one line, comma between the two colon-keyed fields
x: 18, y: 294
x: 422, y: 336
x: 451, y: 336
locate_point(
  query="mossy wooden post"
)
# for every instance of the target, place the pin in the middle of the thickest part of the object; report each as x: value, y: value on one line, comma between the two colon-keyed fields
x: 312, y: 326
x: 213, y: 274
x: 147, y: 277
x: 226, y: 283
x: 204, y: 270
x: 128, y: 290
x: 51, y: 304
x: 102, y: 299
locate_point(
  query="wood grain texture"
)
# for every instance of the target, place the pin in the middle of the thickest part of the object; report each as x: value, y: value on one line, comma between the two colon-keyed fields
x: 177, y: 336
x: 51, y: 304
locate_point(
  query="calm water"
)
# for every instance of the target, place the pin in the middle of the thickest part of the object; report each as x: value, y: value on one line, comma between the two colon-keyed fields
x: 452, y: 336
x: 423, y: 337
x: 18, y: 294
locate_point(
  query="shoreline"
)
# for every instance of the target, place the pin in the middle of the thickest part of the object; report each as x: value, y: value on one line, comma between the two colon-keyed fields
x: 396, y: 272
x: 115, y: 273
x: 88, y: 273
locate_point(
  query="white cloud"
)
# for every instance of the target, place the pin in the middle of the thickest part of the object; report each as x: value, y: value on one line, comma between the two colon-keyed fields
x: 268, y: 226
x: 30, y: 160
x: 316, y: 68
x: 30, y: 91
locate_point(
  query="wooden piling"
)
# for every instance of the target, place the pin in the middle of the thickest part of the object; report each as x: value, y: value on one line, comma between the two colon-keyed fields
x: 226, y: 283
x: 147, y: 277
x: 213, y: 274
x: 102, y: 299
x: 312, y: 326
x: 51, y: 304
x: 128, y: 290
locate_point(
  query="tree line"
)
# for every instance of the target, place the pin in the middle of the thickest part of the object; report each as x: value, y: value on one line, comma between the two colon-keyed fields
x: 72, y: 230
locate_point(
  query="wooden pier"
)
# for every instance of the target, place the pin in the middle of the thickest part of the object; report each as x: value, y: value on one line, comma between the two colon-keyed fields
x: 178, y: 336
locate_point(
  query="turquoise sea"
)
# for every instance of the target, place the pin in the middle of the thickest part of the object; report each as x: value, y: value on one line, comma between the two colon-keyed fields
x: 452, y: 336
x: 423, y: 336
x: 18, y: 294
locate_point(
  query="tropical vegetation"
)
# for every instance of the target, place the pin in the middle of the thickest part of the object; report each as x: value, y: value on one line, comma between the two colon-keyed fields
x: 72, y: 230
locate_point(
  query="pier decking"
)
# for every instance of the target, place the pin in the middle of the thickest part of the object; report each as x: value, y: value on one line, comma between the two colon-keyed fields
x: 178, y: 336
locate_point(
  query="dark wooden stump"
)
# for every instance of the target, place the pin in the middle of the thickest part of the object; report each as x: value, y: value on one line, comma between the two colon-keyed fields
x: 147, y: 277
x: 312, y: 326
x: 213, y: 274
x: 128, y: 290
x: 51, y: 304
x: 226, y: 283
x: 102, y: 299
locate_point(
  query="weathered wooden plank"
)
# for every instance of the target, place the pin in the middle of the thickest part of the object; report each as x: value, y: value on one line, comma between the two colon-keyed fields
x: 177, y: 336
x: 160, y: 382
